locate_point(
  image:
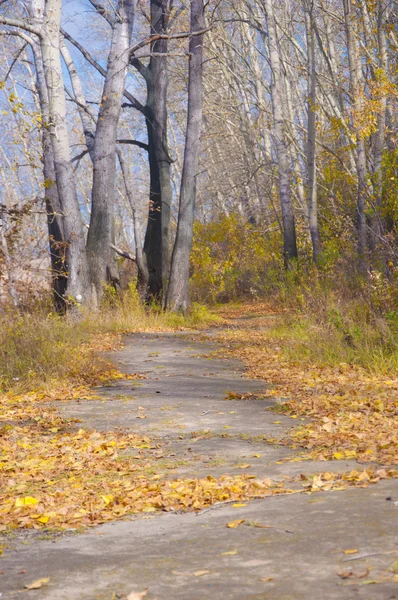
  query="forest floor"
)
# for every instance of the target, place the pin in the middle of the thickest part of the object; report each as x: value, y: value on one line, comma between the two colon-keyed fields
x: 203, y: 430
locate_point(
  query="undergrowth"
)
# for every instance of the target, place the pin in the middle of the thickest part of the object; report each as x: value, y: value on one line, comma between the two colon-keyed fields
x: 39, y: 348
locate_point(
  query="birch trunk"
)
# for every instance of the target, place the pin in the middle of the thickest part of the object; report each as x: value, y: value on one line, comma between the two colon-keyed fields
x: 85, y: 117
x: 178, y: 298
x: 380, y: 134
x: 78, y: 286
x: 311, y: 135
x: 356, y: 103
x: 100, y: 235
x: 55, y: 220
x: 289, y: 229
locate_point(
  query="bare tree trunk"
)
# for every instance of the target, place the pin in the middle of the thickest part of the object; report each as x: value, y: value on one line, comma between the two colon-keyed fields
x: 86, y: 119
x: 157, y: 239
x: 55, y: 221
x: 380, y: 134
x: 11, y: 282
x: 356, y: 100
x: 311, y: 134
x: 100, y: 235
x: 289, y: 229
x: 178, y: 292
x: 78, y: 287
x: 143, y: 274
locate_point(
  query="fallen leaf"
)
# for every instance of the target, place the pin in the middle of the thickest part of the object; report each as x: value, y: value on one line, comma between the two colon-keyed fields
x: 235, y: 524
x: 394, y: 566
x: 200, y: 573
x: 266, y: 579
x: 35, y: 585
x: 229, y: 553
x: 257, y: 455
x: 137, y: 595
x: 238, y: 505
x: 353, y: 551
x: 27, y: 501
x: 245, y: 466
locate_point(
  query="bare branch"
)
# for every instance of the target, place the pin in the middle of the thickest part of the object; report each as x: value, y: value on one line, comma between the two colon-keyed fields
x: 101, y: 10
x: 165, y: 36
x: 123, y: 254
x: 142, y: 145
x: 20, y: 25
x: 136, y: 103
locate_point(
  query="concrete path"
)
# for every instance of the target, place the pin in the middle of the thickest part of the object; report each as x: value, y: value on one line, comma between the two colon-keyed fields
x: 290, y: 547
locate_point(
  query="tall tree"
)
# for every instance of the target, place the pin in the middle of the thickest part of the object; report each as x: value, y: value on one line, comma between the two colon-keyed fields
x: 289, y: 228
x: 178, y: 298
x: 44, y: 22
x: 356, y: 93
x: 101, y: 229
x: 311, y: 131
x: 157, y: 238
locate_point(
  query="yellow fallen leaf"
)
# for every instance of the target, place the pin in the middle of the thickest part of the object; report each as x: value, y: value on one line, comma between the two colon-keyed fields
x: 266, y: 579
x: 276, y: 422
x: 235, y: 524
x: 227, y: 426
x: 200, y: 573
x: 339, y: 455
x: 35, y: 585
x: 229, y: 553
x: 245, y: 466
x: 394, y: 566
x: 353, y: 551
x: 238, y: 505
x: 27, y: 501
x: 293, y: 416
x: 43, y: 519
x: 137, y: 595
x: 107, y: 499
x: 257, y: 455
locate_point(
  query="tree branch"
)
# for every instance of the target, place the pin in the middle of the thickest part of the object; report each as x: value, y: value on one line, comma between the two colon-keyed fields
x: 18, y: 33
x: 123, y: 254
x: 165, y: 36
x: 101, y: 10
x: 14, y: 60
x: 136, y: 103
x: 142, y: 145
x: 20, y: 25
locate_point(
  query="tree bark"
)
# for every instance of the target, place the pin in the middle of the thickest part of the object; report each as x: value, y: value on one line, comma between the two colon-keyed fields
x: 380, y: 134
x: 311, y: 134
x: 143, y: 274
x: 100, y: 235
x: 157, y: 238
x: 86, y: 119
x: 55, y: 221
x: 178, y: 298
x: 289, y: 228
x: 78, y: 286
x: 356, y: 103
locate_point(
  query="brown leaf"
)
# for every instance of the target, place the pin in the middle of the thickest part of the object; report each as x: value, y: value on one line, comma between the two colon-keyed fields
x: 35, y: 585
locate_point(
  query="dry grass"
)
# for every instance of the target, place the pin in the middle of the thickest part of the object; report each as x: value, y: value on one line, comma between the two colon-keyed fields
x: 40, y: 349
